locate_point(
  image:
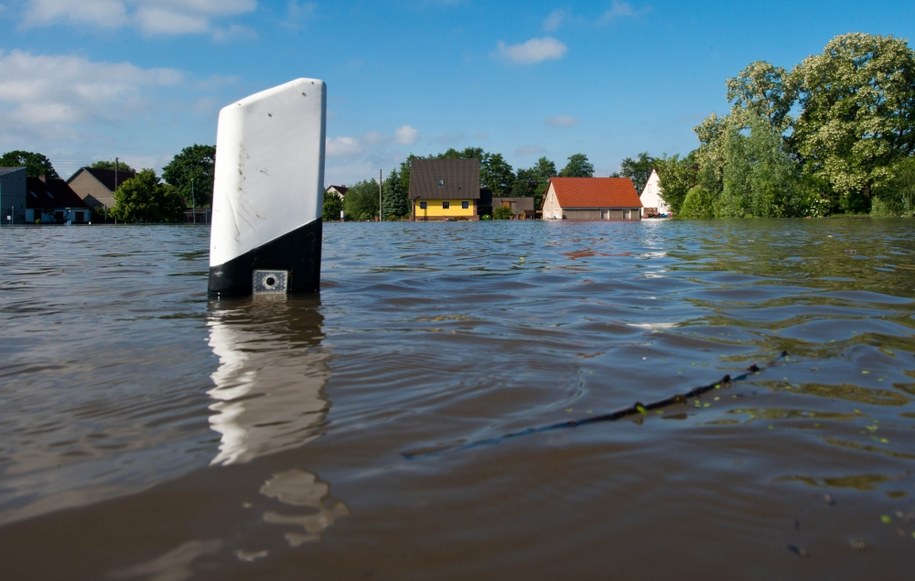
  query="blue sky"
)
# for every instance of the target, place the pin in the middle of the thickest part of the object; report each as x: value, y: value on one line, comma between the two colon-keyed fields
x: 88, y: 80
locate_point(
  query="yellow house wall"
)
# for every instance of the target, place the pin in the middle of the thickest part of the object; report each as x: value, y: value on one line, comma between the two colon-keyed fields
x: 434, y: 209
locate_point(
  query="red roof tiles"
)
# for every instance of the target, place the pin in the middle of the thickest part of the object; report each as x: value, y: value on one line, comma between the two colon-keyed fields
x: 596, y: 193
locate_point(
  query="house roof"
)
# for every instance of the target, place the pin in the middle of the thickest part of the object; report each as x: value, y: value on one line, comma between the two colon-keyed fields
x: 445, y: 179
x: 595, y: 192
x: 51, y: 194
x: 107, y: 177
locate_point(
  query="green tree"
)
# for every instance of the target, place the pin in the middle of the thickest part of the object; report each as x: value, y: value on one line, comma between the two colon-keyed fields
x: 897, y: 196
x: 112, y: 165
x: 143, y: 198
x: 191, y: 173
x: 677, y: 175
x: 857, y: 101
x: 760, y: 178
x: 496, y: 174
x: 361, y: 201
x: 332, y: 206
x: 638, y: 169
x: 578, y: 167
x: 698, y: 204
x: 765, y: 91
x: 36, y: 164
x: 532, y: 182
x: 395, y: 200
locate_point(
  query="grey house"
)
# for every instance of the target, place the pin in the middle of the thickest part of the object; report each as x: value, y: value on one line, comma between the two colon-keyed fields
x: 12, y: 195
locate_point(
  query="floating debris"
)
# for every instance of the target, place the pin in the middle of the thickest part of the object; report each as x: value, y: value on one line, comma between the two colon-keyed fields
x: 637, y: 409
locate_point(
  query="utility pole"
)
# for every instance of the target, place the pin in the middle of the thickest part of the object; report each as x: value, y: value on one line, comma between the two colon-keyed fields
x: 380, y: 217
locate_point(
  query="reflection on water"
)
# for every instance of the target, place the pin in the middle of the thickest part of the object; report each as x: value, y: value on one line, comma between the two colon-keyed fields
x: 269, y: 385
x: 269, y: 398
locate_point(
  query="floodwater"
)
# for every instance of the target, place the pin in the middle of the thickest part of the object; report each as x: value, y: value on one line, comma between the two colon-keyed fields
x: 427, y: 415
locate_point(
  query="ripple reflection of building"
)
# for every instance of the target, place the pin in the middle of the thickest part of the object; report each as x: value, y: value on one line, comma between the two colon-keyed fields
x: 269, y: 397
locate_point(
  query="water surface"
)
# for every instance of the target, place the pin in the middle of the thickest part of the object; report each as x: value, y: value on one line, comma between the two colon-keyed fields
x: 391, y: 427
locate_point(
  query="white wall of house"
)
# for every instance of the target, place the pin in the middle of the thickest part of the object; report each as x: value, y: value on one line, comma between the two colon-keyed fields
x: 651, y: 195
x: 551, y: 208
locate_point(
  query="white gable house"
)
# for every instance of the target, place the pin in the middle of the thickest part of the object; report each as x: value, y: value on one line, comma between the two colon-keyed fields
x: 653, y: 205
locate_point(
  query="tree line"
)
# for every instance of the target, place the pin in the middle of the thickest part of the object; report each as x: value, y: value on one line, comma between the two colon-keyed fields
x: 834, y: 135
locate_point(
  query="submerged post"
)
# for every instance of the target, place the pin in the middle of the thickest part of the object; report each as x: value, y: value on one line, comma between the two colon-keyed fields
x: 268, y: 190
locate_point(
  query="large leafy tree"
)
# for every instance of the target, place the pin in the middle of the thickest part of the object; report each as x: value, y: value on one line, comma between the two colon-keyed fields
x: 191, y: 173
x: 143, y: 198
x: 763, y: 90
x: 496, y: 174
x: 638, y: 169
x: 578, y: 167
x: 361, y: 202
x: 759, y: 177
x: 857, y: 117
x: 36, y: 164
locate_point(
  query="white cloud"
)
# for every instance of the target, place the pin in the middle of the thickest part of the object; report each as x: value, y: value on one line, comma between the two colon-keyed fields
x: 562, y: 121
x: 37, y: 89
x: 100, y: 13
x: 342, y: 146
x: 165, y: 20
x: 554, y: 20
x: 406, y: 135
x: 533, y: 51
x: 618, y: 9
x: 297, y: 13
x: 162, y: 17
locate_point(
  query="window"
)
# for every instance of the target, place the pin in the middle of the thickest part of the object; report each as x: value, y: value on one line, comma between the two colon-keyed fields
x: 465, y: 204
x: 441, y: 183
x: 446, y: 205
x: 422, y: 205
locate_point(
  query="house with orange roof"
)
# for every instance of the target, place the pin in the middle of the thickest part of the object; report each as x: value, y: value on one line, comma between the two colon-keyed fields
x: 591, y: 199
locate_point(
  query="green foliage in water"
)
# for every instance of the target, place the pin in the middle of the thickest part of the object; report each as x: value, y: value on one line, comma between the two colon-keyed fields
x: 502, y: 213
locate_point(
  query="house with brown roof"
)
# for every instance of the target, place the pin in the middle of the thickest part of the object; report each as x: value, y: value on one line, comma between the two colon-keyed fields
x: 445, y: 189
x: 52, y: 201
x: 591, y: 199
x: 96, y: 186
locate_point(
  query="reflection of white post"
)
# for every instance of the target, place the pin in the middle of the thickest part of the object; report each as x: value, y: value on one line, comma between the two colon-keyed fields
x: 268, y: 192
x: 265, y: 399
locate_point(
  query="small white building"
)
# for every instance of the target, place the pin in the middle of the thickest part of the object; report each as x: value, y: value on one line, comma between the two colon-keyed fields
x: 653, y: 204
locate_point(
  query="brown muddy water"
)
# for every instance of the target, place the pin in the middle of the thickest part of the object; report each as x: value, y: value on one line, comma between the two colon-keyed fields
x: 417, y: 420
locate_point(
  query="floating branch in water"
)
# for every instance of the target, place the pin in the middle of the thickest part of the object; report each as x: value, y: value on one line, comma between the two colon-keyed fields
x: 638, y: 408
